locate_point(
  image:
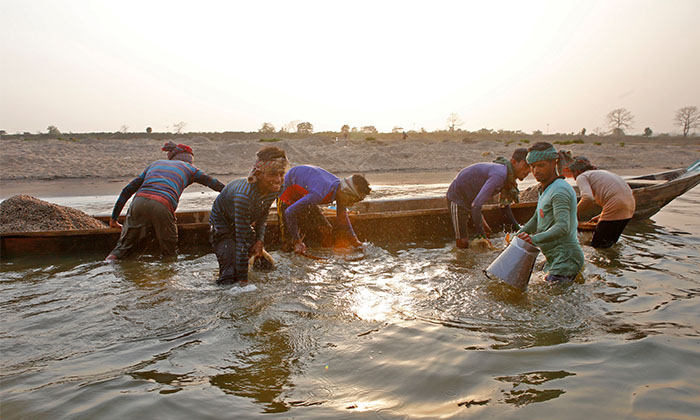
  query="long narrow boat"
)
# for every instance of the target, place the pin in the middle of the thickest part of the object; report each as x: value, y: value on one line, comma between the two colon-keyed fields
x: 381, y: 221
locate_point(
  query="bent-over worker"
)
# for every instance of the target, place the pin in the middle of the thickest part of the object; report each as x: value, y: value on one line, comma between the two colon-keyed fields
x: 305, y: 188
x: 475, y: 185
x: 158, y: 190
x: 610, y: 192
x: 239, y: 215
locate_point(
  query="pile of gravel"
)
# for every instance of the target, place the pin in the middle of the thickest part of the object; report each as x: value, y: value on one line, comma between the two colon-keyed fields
x: 530, y: 194
x: 24, y: 213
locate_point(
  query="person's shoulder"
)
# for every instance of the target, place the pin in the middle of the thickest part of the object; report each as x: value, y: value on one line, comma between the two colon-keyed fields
x: 563, y: 187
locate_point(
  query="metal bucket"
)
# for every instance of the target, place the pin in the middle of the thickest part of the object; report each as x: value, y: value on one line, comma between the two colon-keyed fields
x: 514, y: 265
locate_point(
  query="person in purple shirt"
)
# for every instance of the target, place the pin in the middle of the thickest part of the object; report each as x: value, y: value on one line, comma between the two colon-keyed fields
x: 475, y: 185
x: 307, y: 186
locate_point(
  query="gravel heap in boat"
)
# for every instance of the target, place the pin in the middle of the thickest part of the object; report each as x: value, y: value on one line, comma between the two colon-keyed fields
x: 24, y: 213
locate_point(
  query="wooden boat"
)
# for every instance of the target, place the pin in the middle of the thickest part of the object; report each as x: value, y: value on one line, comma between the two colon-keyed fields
x: 380, y: 221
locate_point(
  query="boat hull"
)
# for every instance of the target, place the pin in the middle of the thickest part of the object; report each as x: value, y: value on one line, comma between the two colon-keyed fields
x: 381, y: 221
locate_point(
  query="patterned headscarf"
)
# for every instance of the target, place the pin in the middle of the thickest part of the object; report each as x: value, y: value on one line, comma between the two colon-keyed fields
x: 539, y: 155
x: 181, y: 152
x: 348, y: 187
x: 509, y: 193
x: 582, y: 164
x: 261, y: 166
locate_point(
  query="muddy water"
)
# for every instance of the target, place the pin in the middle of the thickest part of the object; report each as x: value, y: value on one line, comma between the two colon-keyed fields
x: 411, y: 331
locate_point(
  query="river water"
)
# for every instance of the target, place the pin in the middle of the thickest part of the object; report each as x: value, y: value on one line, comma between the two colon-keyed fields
x: 410, y: 331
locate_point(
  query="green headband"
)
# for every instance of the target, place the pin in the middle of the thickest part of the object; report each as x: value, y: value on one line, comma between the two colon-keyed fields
x: 538, y: 155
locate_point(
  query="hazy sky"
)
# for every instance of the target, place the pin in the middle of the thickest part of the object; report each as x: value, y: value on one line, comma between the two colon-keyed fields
x: 98, y: 65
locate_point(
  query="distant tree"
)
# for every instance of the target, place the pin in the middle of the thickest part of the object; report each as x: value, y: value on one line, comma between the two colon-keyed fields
x: 354, y: 130
x: 537, y: 133
x: 583, y: 131
x: 369, y: 129
x: 619, y: 120
x: 454, y: 121
x: 648, y: 132
x: 3, y: 132
x: 687, y: 118
x: 149, y: 130
x: 397, y: 130
x: 290, y: 127
x: 267, y: 128
x: 179, y: 127
x: 617, y: 132
x: 53, y: 130
x: 305, y: 127
x: 345, y: 129
x: 123, y: 129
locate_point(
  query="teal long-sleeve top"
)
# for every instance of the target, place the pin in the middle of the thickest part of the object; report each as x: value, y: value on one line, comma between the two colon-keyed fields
x: 553, y: 229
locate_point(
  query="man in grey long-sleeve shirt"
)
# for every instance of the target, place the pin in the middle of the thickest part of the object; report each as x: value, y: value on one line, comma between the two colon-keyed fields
x: 475, y: 185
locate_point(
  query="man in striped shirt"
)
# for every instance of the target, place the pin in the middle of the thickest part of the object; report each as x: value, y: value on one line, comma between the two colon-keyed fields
x: 239, y: 215
x: 158, y: 191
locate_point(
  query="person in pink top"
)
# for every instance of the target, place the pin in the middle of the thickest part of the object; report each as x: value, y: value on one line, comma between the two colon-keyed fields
x: 611, y: 193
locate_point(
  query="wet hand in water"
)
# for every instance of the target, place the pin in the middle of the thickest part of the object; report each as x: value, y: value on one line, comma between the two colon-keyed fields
x: 481, y: 243
x: 256, y: 250
x: 300, y: 247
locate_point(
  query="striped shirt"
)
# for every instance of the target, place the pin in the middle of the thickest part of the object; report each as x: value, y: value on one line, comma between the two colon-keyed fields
x: 164, y: 181
x: 307, y: 185
x: 234, y: 212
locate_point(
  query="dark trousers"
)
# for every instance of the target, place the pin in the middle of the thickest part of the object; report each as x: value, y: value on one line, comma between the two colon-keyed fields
x: 608, y: 232
x: 462, y: 222
x: 146, y: 216
x: 225, y: 250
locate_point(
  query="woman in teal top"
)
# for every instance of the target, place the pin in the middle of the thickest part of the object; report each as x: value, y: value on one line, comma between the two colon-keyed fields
x: 553, y: 226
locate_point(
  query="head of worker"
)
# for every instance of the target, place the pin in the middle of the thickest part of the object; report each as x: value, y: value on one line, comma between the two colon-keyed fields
x: 542, y: 158
x: 269, y: 169
x: 352, y: 189
x: 579, y: 165
x: 181, y: 152
x: 519, y: 161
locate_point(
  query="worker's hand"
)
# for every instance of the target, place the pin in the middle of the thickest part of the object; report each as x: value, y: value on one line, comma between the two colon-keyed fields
x: 508, y: 238
x: 299, y: 247
x: 354, y: 242
x: 525, y: 237
x: 482, y: 243
x: 256, y: 250
x: 114, y: 224
x: 595, y: 219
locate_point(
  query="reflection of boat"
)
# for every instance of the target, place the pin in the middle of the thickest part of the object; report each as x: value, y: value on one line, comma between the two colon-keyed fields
x: 385, y: 220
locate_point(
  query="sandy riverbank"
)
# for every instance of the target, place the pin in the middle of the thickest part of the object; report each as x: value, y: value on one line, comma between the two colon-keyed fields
x: 53, y: 167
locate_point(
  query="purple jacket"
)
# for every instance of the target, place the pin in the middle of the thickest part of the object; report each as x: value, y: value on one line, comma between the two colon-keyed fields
x: 475, y: 185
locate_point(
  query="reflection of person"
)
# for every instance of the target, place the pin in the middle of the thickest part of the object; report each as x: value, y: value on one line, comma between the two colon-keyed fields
x: 553, y: 226
x: 305, y: 187
x: 239, y: 215
x: 610, y: 192
x: 158, y: 191
x: 475, y: 185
